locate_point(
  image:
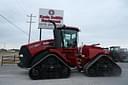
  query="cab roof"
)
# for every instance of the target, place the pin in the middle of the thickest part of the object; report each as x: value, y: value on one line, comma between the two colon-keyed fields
x: 69, y: 27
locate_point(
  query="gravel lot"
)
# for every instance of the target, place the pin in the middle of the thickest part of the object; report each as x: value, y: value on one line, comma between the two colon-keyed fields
x: 13, y: 75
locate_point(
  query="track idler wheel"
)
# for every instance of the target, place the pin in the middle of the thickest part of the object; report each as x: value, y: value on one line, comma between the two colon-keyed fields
x: 102, y: 66
x: 49, y: 68
x: 34, y: 73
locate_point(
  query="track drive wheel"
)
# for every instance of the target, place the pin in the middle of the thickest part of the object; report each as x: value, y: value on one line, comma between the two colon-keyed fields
x: 102, y: 66
x: 50, y: 67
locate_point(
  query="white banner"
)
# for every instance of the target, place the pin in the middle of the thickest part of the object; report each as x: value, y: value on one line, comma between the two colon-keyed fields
x: 50, y: 14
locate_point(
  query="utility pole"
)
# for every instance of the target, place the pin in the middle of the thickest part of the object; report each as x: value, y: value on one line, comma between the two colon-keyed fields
x: 30, y: 23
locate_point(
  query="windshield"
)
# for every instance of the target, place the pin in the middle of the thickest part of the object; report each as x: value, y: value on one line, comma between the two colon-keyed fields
x: 115, y: 48
x: 69, y: 38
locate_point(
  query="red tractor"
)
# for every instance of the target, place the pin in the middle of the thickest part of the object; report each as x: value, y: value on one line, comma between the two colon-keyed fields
x: 56, y: 58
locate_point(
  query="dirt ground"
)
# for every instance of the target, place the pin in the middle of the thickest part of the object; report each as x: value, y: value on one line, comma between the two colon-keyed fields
x: 13, y: 75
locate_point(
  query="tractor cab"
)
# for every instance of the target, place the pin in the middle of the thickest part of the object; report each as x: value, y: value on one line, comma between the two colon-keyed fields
x: 66, y: 37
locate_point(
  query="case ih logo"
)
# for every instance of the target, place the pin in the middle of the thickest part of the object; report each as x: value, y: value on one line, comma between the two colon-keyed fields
x: 51, y: 12
x: 54, y: 15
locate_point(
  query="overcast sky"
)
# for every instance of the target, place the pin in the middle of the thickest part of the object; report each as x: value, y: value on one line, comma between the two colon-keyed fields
x: 100, y: 21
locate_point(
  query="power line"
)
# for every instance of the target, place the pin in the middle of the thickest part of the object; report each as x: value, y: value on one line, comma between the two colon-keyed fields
x: 13, y: 24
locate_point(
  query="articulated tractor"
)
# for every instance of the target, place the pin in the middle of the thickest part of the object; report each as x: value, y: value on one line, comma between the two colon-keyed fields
x: 56, y: 58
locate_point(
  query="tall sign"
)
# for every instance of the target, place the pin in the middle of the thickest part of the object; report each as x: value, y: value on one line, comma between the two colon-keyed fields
x: 50, y: 14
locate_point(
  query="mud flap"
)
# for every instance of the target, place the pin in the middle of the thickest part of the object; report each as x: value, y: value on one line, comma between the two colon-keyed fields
x: 102, y: 66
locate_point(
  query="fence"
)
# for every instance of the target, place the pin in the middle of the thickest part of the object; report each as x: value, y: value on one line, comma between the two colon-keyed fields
x: 9, y: 59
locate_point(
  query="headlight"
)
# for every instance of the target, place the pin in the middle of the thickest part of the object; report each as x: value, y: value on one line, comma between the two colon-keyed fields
x: 21, y: 55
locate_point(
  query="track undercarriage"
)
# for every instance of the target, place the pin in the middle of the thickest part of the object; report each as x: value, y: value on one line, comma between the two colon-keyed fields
x: 49, y: 68
x: 102, y: 66
x: 52, y: 68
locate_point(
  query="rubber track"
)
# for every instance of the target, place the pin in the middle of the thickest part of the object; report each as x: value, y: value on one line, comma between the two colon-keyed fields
x: 102, y: 66
x: 49, y: 68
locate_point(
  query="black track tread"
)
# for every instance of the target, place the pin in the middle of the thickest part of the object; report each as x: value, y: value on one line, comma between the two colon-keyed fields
x: 47, y: 72
x: 95, y: 68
